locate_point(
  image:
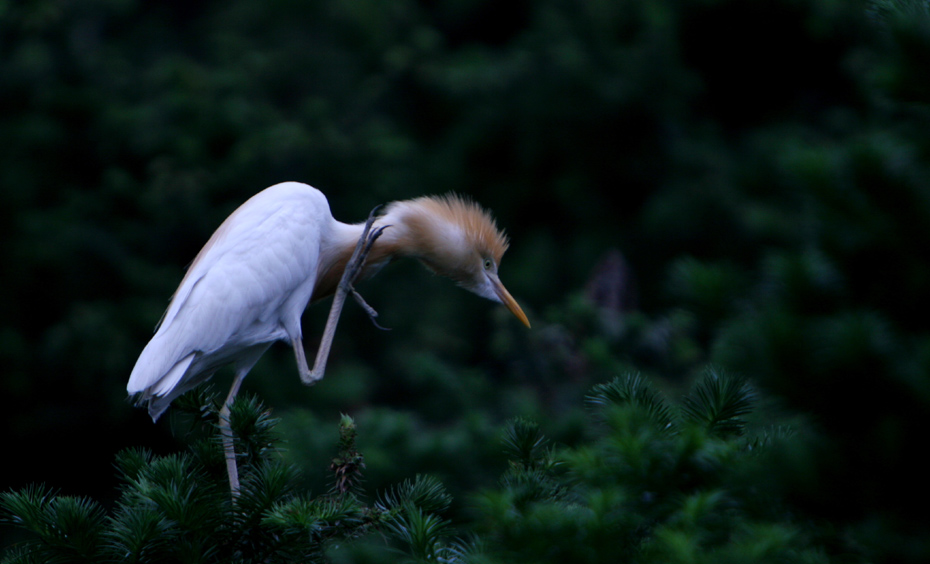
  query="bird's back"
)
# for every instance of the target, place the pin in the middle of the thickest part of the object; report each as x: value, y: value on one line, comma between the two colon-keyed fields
x: 246, y: 288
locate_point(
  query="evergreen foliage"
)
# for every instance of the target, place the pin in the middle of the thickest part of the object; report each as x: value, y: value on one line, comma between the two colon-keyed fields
x: 719, y: 403
x: 644, y: 489
x: 655, y: 483
x: 178, y: 507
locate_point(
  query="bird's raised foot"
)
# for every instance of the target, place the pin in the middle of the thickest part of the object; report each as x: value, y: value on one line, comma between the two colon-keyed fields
x: 347, y: 282
x: 357, y: 261
x: 372, y: 313
x: 352, y: 270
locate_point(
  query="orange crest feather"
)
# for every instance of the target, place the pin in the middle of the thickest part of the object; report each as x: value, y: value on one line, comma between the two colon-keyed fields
x: 476, y: 224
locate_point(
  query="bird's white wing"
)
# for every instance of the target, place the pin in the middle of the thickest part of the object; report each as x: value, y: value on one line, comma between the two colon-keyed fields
x: 252, y: 278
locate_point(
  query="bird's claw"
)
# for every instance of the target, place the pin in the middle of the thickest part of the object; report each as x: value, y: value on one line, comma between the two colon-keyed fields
x: 354, y: 267
x: 372, y: 314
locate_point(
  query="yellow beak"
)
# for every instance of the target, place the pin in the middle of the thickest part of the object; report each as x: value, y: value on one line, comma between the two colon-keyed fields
x: 508, y: 300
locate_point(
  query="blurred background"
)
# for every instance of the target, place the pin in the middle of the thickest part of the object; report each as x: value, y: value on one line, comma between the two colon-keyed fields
x: 685, y: 182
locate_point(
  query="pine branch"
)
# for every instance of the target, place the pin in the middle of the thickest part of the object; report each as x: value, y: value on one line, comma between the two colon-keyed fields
x: 347, y: 466
x: 422, y: 532
x: 632, y: 390
x: 718, y: 402
x: 524, y: 443
x: 67, y: 528
x: 424, y: 492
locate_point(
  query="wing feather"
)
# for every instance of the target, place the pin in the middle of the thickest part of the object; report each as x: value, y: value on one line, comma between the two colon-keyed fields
x: 250, y: 281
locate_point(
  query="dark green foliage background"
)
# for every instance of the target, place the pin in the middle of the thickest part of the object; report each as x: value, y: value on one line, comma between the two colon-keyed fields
x: 761, y: 166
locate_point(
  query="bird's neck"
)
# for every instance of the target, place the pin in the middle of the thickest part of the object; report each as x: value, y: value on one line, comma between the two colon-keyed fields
x: 406, y: 235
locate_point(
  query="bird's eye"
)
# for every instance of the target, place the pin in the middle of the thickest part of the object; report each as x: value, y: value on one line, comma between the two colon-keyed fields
x: 488, y: 264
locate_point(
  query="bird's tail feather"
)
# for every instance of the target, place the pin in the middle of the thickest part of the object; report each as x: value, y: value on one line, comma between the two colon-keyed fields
x: 159, y: 392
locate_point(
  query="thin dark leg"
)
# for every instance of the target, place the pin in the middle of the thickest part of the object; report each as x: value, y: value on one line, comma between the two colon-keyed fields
x: 228, y: 446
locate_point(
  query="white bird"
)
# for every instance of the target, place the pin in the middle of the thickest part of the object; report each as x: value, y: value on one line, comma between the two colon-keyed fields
x: 251, y: 282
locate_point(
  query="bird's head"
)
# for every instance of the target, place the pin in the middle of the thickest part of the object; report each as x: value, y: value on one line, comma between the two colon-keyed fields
x: 458, y: 239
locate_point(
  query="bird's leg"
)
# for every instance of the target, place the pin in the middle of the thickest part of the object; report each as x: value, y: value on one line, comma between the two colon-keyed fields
x: 226, y: 430
x: 352, y: 271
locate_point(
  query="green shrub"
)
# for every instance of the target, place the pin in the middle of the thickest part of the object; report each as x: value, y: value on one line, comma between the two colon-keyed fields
x: 178, y: 508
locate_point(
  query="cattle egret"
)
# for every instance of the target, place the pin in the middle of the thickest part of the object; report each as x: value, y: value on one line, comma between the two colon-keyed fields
x: 282, y: 249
